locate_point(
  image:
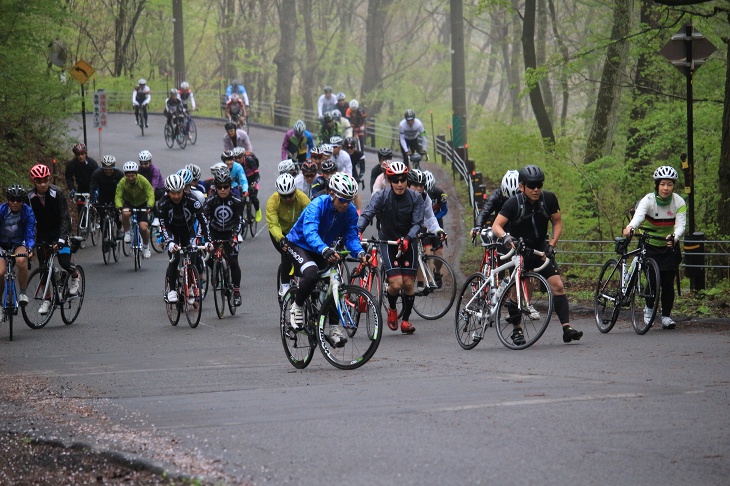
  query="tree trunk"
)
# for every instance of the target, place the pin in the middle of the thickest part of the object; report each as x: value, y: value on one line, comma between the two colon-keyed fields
x: 723, y: 173
x: 374, y: 45
x: 600, y: 140
x: 510, y: 66
x: 528, y: 52
x: 566, y: 59
x: 284, y: 58
x: 542, y: 26
x: 310, y: 83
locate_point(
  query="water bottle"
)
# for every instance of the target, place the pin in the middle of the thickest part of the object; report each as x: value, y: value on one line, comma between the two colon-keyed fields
x: 503, y: 285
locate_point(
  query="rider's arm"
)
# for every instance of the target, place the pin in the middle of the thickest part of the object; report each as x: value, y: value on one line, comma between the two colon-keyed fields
x: 417, y: 215
x: 69, y: 175
x: 444, y: 209
x: 352, y: 240
x: 149, y: 192
x: 134, y: 98
x: 429, y: 219
x: 320, y: 105
x: 30, y: 224
x: 192, y: 101
x: 242, y: 179
x: 246, y: 140
x: 310, y: 141
x: 203, y: 227
x: 640, y: 214
x: 119, y: 194
x: 424, y: 138
x: 557, y: 221
x: 148, y: 96
x: 367, y: 214
x: 287, y: 145
x: 402, y: 133
x: 680, y: 221
x: 272, y: 217
x: 311, y: 218
x: 64, y: 217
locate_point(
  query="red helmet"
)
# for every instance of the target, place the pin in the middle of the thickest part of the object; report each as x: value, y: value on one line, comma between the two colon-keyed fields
x: 396, y: 168
x: 79, y: 149
x: 40, y: 171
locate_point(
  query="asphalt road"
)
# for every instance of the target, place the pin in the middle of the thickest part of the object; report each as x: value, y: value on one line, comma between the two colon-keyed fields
x: 221, y: 400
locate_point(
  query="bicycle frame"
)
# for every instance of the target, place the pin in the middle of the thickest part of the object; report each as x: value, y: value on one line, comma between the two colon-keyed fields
x: 83, y: 199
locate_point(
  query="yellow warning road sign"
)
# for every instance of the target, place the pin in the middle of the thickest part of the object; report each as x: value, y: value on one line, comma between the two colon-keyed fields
x: 82, y: 71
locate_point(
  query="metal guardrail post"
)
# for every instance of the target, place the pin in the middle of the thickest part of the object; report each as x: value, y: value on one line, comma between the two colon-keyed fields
x: 694, y: 249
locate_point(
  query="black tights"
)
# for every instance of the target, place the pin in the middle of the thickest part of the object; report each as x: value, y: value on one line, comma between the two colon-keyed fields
x: 667, y: 280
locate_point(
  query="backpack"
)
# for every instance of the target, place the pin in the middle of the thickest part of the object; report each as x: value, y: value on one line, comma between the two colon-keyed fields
x: 522, y: 212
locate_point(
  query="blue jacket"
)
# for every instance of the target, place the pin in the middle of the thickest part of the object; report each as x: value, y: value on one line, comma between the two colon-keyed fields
x: 27, y: 224
x: 320, y: 224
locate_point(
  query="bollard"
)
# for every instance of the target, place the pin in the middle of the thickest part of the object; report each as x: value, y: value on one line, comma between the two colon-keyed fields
x: 694, y: 260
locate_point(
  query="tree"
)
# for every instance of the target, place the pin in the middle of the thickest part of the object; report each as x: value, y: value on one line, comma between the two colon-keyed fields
x: 528, y: 47
x: 284, y: 58
x: 374, y: 45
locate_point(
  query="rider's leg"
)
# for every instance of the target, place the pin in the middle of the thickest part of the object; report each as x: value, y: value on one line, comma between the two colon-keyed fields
x: 21, y: 264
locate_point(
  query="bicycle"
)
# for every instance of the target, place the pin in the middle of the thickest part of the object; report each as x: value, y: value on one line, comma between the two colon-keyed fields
x: 620, y: 285
x: 174, y: 131
x: 189, y: 294
x: 367, y: 275
x: 134, y: 247
x: 191, y: 131
x: 337, y: 306
x: 109, y: 242
x: 250, y: 225
x: 435, y: 294
x: 220, y: 273
x: 156, y: 238
x: 240, y: 120
x: 10, y: 294
x: 49, y: 284
x: 140, y: 116
x: 522, y: 298
x: 88, y: 224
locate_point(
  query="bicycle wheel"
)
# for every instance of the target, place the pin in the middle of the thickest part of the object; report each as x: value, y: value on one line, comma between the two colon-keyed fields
x: 180, y: 137
x: 9, y: 305
x: 107, y: 240
x: 220, y: 288
x: 434, y: 302
x: 71, y: 305
x: 82, y: 228
x: 472, y: 309
x: 127, y: 247
x: 173, y: 308
x: 298, y: 345
x: 608, y: 296
x: 646, y: 290
x: 231, y: 307
x: 244, y: 226
x: 116, y: 249
x: 253, y: 225
x: 156, y: 239
x: 137, y: 257
x: 94, y: 228
x: 533, y: 314
x: 36, y: 296
x: 169, y: 135
x: 192, y: 132
x: 370, y: 281
x: 192, y: 303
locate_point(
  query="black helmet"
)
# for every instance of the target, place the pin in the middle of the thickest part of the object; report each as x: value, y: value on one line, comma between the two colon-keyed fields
x: 230, y: 126
x: 227, y: 155
x: 531, y: 173
x: 385, y: 153
x: 234, y: 82
x: 349, y: 143
x: 328, y: 166
x: 15, y: 191
x: 410, y: 115
x: 415, y: 176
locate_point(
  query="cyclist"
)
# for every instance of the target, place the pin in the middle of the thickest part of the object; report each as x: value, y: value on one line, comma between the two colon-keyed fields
x: 412, y: 136
x: 210, y: 183
x: 250, y: 164
x: 187, y: 176
x: 325, y: 152
x: 320, y: 184
x: 236, y: 137
x: 400, y: 213
x: 78, y: 170
x: 135, y: 192
x: 326, y: 102
x: 328, y: 129
x: 288, y: 166
x: 17, y: 235
x: 178, y: 212
x: 315, y: 155
x: 357, y: 159
x: 173, y: 105
x: 150, y: 172
x: 196, y: 173
x: 381, y: 182
x: 438, y: 197
x: 310, y: 243
x: 304, y: 180
x: 528, y: 215
x: 141, y: 97
x: 186, y: 96
x: 339, y: 156
x: 342, y: 105
x: 298, y: 143
x: 357, y: 117
x: 344, y: 123
x: 385, y: 155
x: 236, y: 87
x: 510, y: 187
x: 52, y: 225
x: 282, y: 211
x: 436, y: 236
x: 103, y: 188
x: 662, y: 213
x: 238, y: 175
x: 235, y: 109
x: 223, y: 215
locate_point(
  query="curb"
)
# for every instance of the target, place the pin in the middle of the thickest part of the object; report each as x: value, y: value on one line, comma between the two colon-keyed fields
x: 582, y: 310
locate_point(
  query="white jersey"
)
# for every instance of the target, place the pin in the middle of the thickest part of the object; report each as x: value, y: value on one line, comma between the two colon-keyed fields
x: 147, y: 96
x: 429, y: 219
x: 197, y: 195
x: 344, y: 164
x: 301, y: 183
x: 325, y: 105
x: 345, y: 127
x: 411, y: 133
x: 381, y: 182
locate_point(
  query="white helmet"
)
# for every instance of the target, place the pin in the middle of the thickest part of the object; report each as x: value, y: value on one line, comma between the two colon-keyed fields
x: 336, y: 141
x: 184, y: 85
x: 343, y: 184
x: 341, y: 96
x: 510, y: 183
x: 285, y: 184
x: 218, y: 166
x: 299, y: 127
x: 666, y: 172
x: 130, y: 166
x: 108, y: 161
x: 195, y: 170
x: 430, y: 180
x: 336, y: 114
x: 237, y: 151
x: 287, y: 166
x: 145, y: 156
x: 174, y: 183
x: 354, y: 104
x: 142, y: 81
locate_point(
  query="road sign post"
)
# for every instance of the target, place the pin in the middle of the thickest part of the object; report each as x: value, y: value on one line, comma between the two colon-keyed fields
x: 81, y: 73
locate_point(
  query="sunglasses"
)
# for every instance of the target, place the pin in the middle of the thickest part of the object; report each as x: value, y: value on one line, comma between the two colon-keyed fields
x: 344, y: 200
x: 398, y: 180
x: 223, y: 188
x: 288, y: 197
x: 309, y: 174
x: 45, y: 180
x: 15, y: 200
x: 533, y: 185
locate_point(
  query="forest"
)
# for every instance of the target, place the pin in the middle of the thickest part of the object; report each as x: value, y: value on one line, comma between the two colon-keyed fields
x: 576, y: 86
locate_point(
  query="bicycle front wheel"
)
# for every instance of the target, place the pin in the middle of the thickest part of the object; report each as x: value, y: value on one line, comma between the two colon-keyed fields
x: 531, y: 314
x: 359, y: 323
x: 107, y: 240
x: 37, y: 296
x: 646, y: 290
x: 181, y: 137
x: 193, y: 132
x: 472, y: 310
x: 94, y: 228
x: 169, y: 135
x: 298, y: 345
x: 71, y: 305
x: 253, y: 225
x: 608, y: 296
x: 156, y: 239
x: 220, y: 288
x: 437, y: 295
x: 137, y: 258
x: 192, y: 301
x: 172, y: 308
x: 231, y: 304
x: 9, y: 305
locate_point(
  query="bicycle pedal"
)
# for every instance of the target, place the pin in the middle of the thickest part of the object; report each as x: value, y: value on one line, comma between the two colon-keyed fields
x: 476, y: 337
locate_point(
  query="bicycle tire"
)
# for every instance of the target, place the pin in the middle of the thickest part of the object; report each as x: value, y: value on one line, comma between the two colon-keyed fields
x: 374, y: 286
x: 155, y: 242
x: 472, y: 309
x: 106, y: 246
x: 360, y: 346
x: 71, y: 304
x: 642, y: 289
x: 127, y: 248
x: 116, y: 249
x: 219, y: 289
x: 231, y: 306
x: 172, y: 308
x: 95, y: 229
x: 432, y: 304
x: 137, y: 253
x: 536, y: 292
x: 192, y: 303
x: 608, y: 297
x: 193, y: 132
x: 169, y: 135
x: 244, y: 226
x: 253, y: 225
x: 9, y: 307
x: 298, y: 345
x: 36, y: 286
x: 181, y: 137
